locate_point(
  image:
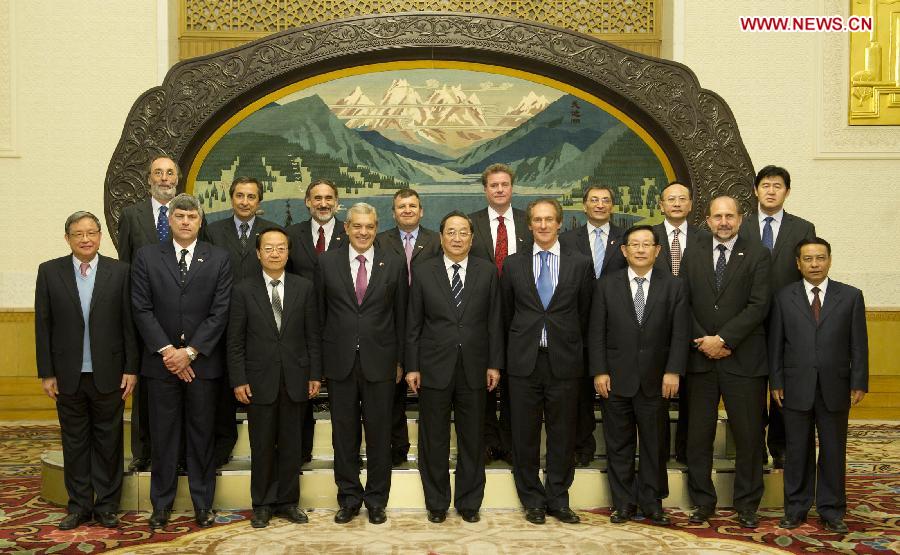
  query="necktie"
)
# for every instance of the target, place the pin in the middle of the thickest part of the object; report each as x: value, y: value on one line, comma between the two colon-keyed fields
x: 639, y: 299
x: 320, y: 242
x: 182, y: 265
x: 720, y: 266
x: 276, y: 302
x: 501, y: 249
x: 361, y: 279
x: 675, y: 252
x: 244, y: 229
x: 545, y: 281
x: 768, y: 238
x: 456, y: 286
x: 816, y: 304
x: 408, y: 248
x: 84, y: 269
x: 162, y: 224
x: 599, y: 252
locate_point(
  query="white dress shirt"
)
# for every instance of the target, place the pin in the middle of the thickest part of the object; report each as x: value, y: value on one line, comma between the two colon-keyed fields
x: 682, y: 235
x: 777, y: 218
x: 189, y: 257
x: 729, y: 246
x: 280, y: 287
x: 354, y: 263
x: 633, y: 284
x: 448, y: 264
x: 329, y: 231
x: 592, y: 236
x: 809, y: 294
x: 155, y: 204
x: 510, y: 222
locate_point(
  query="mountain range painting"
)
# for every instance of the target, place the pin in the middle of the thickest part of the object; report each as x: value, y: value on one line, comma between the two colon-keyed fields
x: 434, y: 130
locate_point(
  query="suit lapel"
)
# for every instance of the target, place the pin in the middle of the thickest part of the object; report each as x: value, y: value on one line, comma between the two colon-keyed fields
x: 337, y: 236
x: 624, y: 293
x: 752, y: 227
x: 67, y: 275
x: 612, y: 243
x: 665, y: 251
x: 473, y: 278
x: 231, y: 236
x: 483, y: 225
x: 201, y: 253
x: 306, y: 239
x: 565, y: 269
x: 289, y: 302
x: 421, y: 241
x: 168, y: 256
x: 440, y: 277
x: 260, y: 294
x: 735, y: 261
x: 147, y: 221
x: 653, y: 293
x: 784, y: 234
x: 375, y: 275
x: 583, y: 242
x: 833, y: 297
x: 100, y: 280
x: 799, y: 298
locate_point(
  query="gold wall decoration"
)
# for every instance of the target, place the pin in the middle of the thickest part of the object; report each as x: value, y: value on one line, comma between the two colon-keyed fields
x: 208, y: 26
x: 875, y: 65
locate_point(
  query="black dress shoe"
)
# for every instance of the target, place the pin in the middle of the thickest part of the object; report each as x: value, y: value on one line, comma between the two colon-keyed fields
x: 748, y: 519
x: 583, y: 460
x: 293, y: 513
x: 834, y: 525
x: 107, y: 519
x: 377, y: 515
x: 205, y: 518
x: 345, y: 514
x: 565, y: 514
x: 307, y: 457
x: 139, y: 464
x: 159, y: 518
x: 74, y: 520
x: 181, y: 468
x: 488, y: 455
x: 536, y: 515
x: 791, y: 522
x: 620, y: 516
x: 778, y: 461
x: 261, y: 517
x: 398, y: 458
x: 658, y: 518
x: 701, y: 515
x: 506, y: 456
x: 469, y: 515
x: 437, y: 517
x: 222, y: 461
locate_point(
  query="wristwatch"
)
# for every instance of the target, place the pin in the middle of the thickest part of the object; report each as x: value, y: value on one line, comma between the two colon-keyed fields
x: 191, y: 353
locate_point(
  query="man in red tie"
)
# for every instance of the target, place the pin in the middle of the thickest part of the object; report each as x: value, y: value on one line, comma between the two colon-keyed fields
x: 499, y: 231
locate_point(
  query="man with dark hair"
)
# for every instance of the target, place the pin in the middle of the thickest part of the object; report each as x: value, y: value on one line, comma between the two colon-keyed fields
x: 416, y: 244
x: 237, y: 235
x: 547, y: 302
x: 275, y: 366
x: 779, y: 232
x: 87, y: 359
x: 728, y: 283
x: 819, y: 362
x: 599, y: 239
x: 180, y: 292
x: 500, y: 230
x: 454, y: 351
x: 640, y: 332
x: 309, y: 239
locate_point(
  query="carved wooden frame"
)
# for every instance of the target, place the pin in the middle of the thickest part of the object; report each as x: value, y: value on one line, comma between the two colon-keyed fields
x: 694, y: 127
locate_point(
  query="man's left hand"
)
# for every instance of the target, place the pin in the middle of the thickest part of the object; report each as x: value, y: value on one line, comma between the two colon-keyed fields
x: 314, y: 386
x: 670, y: 385
x: 176, y: 360
x: 856, y: 395
x: 399, y: 374
x: 128, y: 383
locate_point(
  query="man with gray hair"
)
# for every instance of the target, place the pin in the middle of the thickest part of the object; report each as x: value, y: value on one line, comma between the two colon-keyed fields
x: 362, y: 290
x: 181, y: 290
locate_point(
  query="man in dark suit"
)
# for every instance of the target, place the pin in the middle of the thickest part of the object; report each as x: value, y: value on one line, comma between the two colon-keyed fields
x: 600, y: 240
x: 309, y: 239
x: 500, y: 230
x: 779, y: 232
x: 362, y: 291
x: 728, y: 284
x: 819, y: 361
x: 416, y: 245
x: 676, y: 235
x: 454, y: 350
x: 275, y: 364
x: 640, y: 330
x: 547, y: 300
x: 87, y: 359
x: 181, y: 300
x: 237, y: 235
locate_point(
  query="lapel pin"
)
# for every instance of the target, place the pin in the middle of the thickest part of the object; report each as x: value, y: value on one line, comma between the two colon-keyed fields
x: 420, y: 246
x: 381, y: 263
x: 740, y: 254
x: 199, y: 260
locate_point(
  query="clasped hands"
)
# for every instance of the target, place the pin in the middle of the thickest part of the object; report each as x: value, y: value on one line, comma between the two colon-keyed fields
x: 178, y: 362
x: 712, y: 346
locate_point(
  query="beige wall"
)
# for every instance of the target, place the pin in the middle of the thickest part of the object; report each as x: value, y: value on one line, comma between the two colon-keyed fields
x: 79, y: 66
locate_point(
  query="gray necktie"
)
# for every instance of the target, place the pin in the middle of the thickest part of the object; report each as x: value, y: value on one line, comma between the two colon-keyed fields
x: 639, y: 300
x: 456, y: 286
x: 244, y: 229
x: 276, y: 302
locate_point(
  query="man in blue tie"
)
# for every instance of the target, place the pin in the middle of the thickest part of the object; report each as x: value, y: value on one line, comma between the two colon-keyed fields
x: 547, y: 301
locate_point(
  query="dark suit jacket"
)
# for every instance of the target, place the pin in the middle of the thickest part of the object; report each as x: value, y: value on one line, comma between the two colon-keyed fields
x: 483, y: 244
x: 577, y: 240
x: 664, y: 260
x: 737, y: 312
x: 834, y: 354
x: 566, y: 317
x: 784, y: 261
x: 377, y: 326
x: 164, y: 310
x: 259, y: 354
x: 304, y: 259
x: 244, y: 263
x: 137, y: 228
x: 436, y: 330
x: 59, y: 325
x: 636, y: 356
x: 428, y: 244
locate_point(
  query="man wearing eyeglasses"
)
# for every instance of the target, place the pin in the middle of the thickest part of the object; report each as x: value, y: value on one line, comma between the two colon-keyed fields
x: 454, y: 352
x: 275, y: 365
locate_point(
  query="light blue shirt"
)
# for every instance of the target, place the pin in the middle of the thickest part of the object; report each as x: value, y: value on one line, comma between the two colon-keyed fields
x: 553, y: 263
x: 403, y: 234
x: 85, y: 292
x: 238, y: 222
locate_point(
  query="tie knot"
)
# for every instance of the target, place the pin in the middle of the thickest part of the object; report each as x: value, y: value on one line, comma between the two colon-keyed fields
x: 768, y: 219
x: 275, y: 282
x: 675, y: 232
x: 544, y: 256
x: 722, y: 248
x: 244, y: 226
x: 361, y: 258
x: 500, y: 219
x: 640, y: 280
x: 184, y: 252
x: 163, y: 209
x: 85, y: 266
x: 456, y: 267
x: 598, y: 233
x: 815, y: 290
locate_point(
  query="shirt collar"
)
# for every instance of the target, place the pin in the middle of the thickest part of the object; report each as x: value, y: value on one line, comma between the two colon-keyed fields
x: 92, y: 263
x: 682, y: 229
x: 448, y: 264
x: 822, y: 287
x: 369, y: 254
x: 777, y: 216
x: 553, y: 250
x: 268, y: 280
x: 328, y: 226
x: 238, y: 222
x: 632, y: 274
x: 492, y: 214
x: 604, y: 228
x: 190, y: 248
x: 155, y: 204
x: 414, y: 233
x: 728, y: 244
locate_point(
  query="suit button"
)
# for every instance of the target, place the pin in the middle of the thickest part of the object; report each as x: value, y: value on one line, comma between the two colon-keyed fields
x: 716, y: 307
x: 459, y: 326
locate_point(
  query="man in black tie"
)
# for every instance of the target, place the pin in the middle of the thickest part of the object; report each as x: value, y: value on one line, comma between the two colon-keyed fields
x: 237, y: 235
x: 819, y: 361
x: 547, y: 301
x: 728, y: 284
x: 454, y: 350
x: 309, y: 239
x: 87, y: 359
x: 779, y: 232
x: 640, y: 326
x: 500, y: 230
x: 275, y: 364
x: 601, y: 240
x: 416, y: 244
x: 362, y: 291
x: 180, y: 299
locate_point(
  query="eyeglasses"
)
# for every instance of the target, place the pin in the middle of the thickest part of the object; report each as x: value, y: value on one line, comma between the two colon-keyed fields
x: 270, y: 250
x: 640, y: 245
x: 453, y: 234
x: 599, y: 200
x: 679, y: 199
x: 160, y: 173
x: 81, y: 235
